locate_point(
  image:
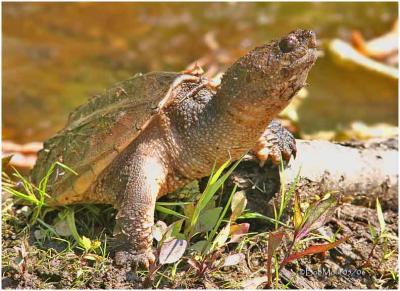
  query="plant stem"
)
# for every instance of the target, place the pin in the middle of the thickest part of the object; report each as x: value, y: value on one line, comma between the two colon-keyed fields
x: 371, y: 253
x: 287, y: 255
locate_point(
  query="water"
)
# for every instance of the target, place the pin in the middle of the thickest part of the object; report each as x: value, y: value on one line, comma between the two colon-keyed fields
x: 57, y: 55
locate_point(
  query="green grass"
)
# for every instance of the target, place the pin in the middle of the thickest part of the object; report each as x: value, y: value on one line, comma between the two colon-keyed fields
x: 204, y: 224
x: 35, y: 197
x: 31, y: 194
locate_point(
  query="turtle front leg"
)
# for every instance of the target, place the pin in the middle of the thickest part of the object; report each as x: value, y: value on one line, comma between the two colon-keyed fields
x: 137, y: 179
x: 133, y: 233
x: 275, y: 143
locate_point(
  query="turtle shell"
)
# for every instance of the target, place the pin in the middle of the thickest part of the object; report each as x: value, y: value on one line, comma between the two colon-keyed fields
x: 99, y: 130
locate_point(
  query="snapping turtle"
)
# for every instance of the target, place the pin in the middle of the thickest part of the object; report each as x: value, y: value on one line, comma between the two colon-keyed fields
x: 151, y: 134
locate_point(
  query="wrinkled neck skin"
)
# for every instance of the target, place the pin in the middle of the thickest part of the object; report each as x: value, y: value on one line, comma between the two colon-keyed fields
x: 213, y: 127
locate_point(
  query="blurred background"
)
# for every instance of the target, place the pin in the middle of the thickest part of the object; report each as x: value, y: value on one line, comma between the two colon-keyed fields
x: 56, y: 55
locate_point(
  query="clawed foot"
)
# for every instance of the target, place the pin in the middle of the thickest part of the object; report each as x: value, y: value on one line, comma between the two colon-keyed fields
x: 132, y: 233
x: 135, y: 260
x: 275, y: 143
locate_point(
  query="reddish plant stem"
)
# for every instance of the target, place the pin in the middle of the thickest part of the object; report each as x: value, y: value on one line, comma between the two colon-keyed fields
x: 371, y: 253
x: 287, y: 254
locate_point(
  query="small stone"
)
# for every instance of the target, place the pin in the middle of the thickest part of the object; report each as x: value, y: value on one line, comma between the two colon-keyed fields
x: 38, y: 234
x: 62, y: 228
x: 25, y: 211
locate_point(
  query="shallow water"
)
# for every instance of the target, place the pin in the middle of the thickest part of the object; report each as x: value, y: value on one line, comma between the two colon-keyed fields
x: 57, y: 55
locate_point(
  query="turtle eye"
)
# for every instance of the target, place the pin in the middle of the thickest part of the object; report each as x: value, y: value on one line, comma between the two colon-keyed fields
x: 288, y: 44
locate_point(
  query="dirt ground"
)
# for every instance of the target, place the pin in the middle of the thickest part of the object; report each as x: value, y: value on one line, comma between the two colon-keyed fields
x: 30, y: 263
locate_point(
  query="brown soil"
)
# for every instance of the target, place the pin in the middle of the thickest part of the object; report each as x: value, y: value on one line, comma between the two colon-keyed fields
x: 29, y: 264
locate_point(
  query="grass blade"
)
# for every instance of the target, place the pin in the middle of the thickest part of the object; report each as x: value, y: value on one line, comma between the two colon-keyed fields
x: 66, y: 168
x: 289, y: 194
x: 221, y: 217
x: 168, y: 211
x: 381, y: 219
x: 297, y: 215
x: 173, y: 203
x: 256, y: 215
x: 215, y: 182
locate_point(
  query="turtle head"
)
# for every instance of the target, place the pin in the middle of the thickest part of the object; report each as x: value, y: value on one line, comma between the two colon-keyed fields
x: 273, y: 73
x: 252, y: 92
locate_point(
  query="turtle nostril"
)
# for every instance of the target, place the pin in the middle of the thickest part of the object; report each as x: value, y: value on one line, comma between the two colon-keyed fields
x: 288, y: 44
x: 312, y: 39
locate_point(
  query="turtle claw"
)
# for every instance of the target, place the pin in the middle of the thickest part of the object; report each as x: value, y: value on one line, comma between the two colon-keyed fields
x: 276, y: 143
x: 135, y: 260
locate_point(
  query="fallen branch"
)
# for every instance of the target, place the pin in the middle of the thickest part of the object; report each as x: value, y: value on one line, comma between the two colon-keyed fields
x: 360, y: 171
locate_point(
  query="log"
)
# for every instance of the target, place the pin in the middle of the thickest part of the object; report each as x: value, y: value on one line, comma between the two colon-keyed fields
x: 359, y: 171
x: 23, y: 156
x: 354, y: 168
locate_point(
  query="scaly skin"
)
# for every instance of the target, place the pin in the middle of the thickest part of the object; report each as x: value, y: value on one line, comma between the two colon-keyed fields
x: 275, y: 143
x: 204, y: 124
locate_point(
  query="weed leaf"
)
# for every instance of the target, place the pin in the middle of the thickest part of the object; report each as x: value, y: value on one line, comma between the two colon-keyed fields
x: 171, y: 251
x: 238, y: 230
x: 238, y: 205
x: 312, y: 250
x: 208, y: 219
x: 274, y: 240
x: 254, y: 282
x: 315, y: 216
x: 233, y: 260
x: 221, y: 238
x: 173, y: 229
x: 86, y: 243
x: 199, y: 246
x: 158, y: 230
x: 92, y: 257
x: 188, y: 210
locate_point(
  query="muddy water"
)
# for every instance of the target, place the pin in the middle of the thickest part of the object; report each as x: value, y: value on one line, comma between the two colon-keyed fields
x: 56, y: 55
